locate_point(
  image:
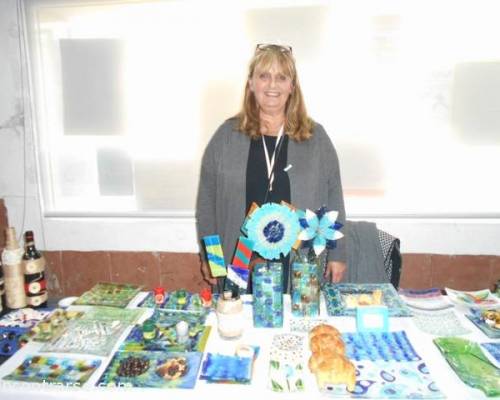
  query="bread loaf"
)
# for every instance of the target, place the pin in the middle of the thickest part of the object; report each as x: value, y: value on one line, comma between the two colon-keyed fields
x: 323, y: 328
x: 335, y: 370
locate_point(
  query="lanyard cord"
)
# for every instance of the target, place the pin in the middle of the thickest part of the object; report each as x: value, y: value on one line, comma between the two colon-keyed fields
x: 270, y: 163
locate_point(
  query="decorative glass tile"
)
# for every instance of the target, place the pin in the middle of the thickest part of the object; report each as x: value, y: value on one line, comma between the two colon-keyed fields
x: 305, y: 324
x: 492, y: 352
x: 176, y: 300
x: 109, y: 294
x: 53, y: 326
x: 24, y: 317
x: 439, y: 323
x: 286, y: 363
x: 128, y: 316
x: 267, y: 295
x: 218, y: 368
x: 336, y: 294
x: 54, y: 370
x: 165, y: 337
x: 376, y: 346
x: 152, y: 369
x: 87, y: 337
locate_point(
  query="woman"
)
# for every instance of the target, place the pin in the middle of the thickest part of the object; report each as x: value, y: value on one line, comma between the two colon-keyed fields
x: 271, y: 151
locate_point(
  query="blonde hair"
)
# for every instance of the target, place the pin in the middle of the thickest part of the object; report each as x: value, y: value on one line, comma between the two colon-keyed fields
x: 298, y: 125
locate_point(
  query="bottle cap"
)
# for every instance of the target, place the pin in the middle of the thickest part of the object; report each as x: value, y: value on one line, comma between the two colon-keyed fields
x: 28, y: 236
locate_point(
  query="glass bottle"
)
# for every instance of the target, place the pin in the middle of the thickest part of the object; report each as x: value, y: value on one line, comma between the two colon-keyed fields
x: 34, y: 273
x: 2, y: 288
x: 13, y: 271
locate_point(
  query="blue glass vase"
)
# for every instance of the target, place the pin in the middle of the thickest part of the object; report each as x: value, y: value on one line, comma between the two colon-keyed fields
x: 267, y: 295
x: 306, y: 284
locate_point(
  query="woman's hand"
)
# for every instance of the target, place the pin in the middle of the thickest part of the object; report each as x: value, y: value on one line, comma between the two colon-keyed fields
x: 335, y: 271
x: 207, y: 275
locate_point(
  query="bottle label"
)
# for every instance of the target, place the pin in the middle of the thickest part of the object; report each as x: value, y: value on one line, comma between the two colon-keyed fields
x: 35, y: 287
x: 34, y: 266
x: 36, y: 301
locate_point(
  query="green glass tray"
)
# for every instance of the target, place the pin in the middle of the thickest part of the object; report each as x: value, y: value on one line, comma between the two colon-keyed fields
x: 470, y: 364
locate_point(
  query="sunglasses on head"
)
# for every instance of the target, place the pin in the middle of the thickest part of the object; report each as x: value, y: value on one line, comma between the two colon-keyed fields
x: 263, y: 47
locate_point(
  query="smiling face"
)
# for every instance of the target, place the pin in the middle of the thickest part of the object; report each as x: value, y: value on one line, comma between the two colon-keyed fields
x: 271, y: 88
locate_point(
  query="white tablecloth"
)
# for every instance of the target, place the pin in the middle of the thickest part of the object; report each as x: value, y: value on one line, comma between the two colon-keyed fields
x: 444, y: 376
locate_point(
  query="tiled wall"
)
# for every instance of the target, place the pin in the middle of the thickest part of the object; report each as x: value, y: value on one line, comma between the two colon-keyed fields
x: 72, y: 272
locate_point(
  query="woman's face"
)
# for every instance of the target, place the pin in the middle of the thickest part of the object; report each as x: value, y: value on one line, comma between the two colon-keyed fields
x: 271, y: 88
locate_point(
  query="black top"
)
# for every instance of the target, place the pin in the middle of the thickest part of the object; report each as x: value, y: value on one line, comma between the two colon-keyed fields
x: 257, y: 181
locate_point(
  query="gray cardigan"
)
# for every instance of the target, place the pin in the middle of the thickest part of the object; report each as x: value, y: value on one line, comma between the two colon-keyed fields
x: 220, y: 206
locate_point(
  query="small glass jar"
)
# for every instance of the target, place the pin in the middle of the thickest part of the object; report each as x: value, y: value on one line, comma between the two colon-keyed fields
x: 159, y: 295
x: 148, y: 330
x: 229, y: 313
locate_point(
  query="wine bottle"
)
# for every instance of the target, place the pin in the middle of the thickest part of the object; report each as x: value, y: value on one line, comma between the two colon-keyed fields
x: 13, y: 271
x: 34, y: 273
x: 2, y: 288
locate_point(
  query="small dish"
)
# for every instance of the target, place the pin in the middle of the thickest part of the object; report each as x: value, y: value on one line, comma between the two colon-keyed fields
x: 67, y: 301
x: 476, y: 299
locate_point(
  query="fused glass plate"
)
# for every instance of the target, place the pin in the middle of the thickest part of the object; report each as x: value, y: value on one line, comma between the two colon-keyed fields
x: 219, y: 368
x: 387, y: 366
x: 389, y: 380
x: 24, y: 317
x: 165, y: 336
x: 439, y: 323
x: 286, y: 363
x: 128, y: 316
x: 336, y: 294
x: 478, y: 320
x: 54, y: 370
x: 305, y: 324
x: 425, y: 299
x: 476, y: 299
x: 52, y: 326
x: 470, y: 364
x: 379, y: 346
x: 87, y: 337
x: 152, y: 369
x: 492, y: 352
x: 178, y: 300
x: 109, y: 294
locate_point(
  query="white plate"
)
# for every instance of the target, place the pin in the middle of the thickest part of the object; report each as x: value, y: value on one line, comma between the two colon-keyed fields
x: 66, y: 302
x: 476, y: 299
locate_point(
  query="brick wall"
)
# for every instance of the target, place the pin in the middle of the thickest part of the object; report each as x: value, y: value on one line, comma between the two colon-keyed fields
x: 72, y: 272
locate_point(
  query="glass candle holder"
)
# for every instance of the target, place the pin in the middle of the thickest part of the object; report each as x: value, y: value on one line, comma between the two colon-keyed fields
x: 229, y: 312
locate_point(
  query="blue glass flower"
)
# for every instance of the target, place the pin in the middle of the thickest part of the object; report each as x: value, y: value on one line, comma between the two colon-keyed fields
x: 319, y: 229
x: 274, y: 229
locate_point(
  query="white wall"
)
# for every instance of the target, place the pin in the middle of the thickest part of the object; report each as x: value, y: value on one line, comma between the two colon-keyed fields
x: 19, y: 189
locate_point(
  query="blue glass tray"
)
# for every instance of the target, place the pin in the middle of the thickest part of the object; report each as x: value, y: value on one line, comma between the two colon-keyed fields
x: 335, y: 294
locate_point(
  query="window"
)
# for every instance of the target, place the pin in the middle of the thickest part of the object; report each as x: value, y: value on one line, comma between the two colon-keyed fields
x: 127, y: 94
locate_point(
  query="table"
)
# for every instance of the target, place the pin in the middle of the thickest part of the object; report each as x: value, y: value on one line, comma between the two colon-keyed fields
x: 445, y: 377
